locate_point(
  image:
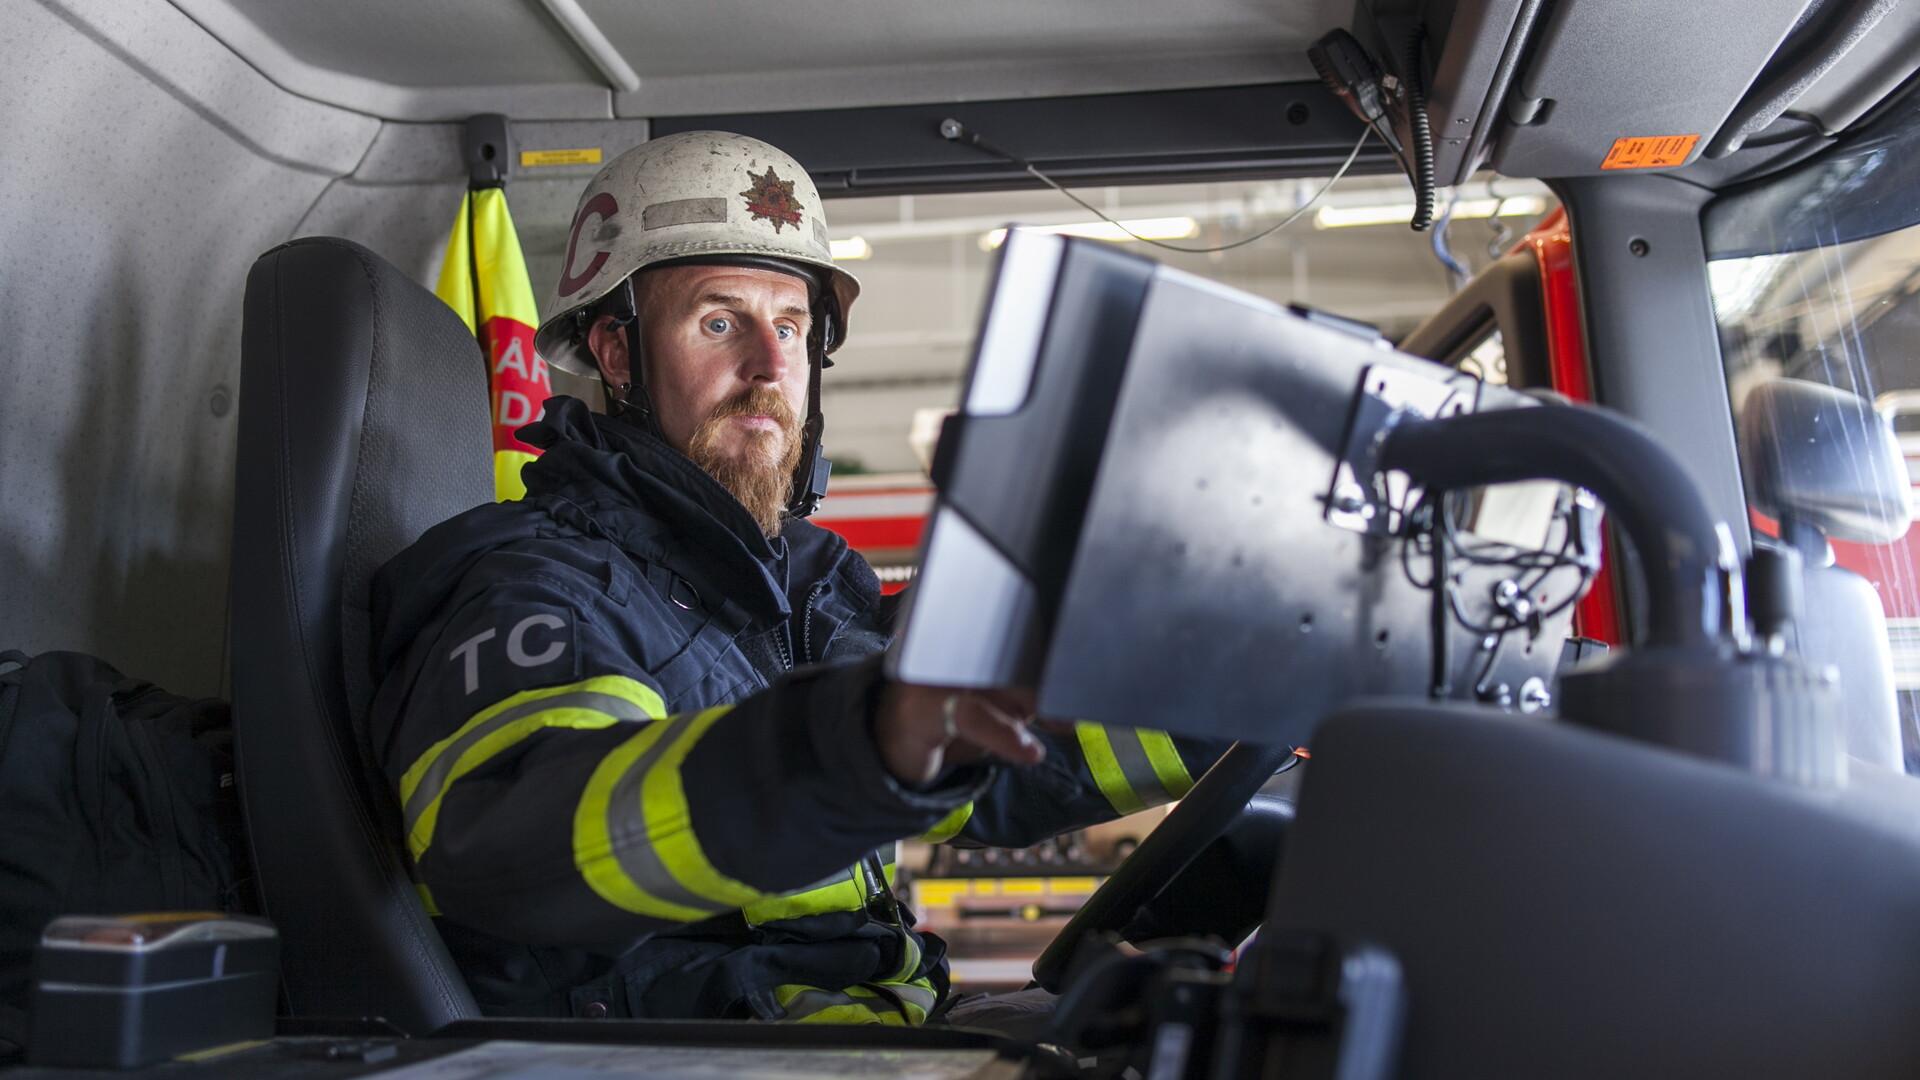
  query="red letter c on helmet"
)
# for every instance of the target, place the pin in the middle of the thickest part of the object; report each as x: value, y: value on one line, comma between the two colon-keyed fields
x: 601, y: 206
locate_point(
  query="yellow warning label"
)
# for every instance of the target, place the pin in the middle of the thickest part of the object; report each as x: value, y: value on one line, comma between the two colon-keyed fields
x: 530, y: 159
x: 1649, y: 151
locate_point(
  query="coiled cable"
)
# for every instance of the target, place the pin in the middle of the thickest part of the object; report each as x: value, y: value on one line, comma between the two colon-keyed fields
x: 1421, y: 129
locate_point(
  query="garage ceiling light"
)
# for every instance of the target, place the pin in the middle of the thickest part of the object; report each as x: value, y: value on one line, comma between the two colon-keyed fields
x: 1340, y: 217
x: 1161, y: 228
x: 853, y: 247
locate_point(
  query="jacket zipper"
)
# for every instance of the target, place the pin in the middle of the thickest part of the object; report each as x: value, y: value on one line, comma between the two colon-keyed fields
x: 806, y: 622
x: 784, y: 643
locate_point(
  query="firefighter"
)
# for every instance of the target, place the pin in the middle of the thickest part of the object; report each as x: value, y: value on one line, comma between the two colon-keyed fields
x: 636, y: 722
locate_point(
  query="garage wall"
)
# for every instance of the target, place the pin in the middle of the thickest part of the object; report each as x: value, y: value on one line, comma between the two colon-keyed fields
x: 145, y: 168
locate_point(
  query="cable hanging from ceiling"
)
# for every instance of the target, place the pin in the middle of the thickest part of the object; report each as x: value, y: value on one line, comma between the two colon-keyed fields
x: 955, y: 131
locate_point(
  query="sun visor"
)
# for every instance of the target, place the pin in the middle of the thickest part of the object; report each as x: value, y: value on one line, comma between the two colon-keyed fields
x: 1623, y: 85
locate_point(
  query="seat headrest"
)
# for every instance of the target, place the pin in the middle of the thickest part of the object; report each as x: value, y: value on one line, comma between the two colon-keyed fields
x: 1824, y: 457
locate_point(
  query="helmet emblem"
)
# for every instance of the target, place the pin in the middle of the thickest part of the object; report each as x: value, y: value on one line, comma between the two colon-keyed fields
x: 771, y: 199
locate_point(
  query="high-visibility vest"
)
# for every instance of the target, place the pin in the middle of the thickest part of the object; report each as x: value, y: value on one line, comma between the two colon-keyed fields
x: 484, y: 278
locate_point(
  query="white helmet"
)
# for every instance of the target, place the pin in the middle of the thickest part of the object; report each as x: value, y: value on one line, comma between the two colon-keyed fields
x: 698, y: 197
x: 689, y: 197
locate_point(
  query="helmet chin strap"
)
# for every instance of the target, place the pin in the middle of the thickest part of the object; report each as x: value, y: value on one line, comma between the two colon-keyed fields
x: 810, y: 476
x: 630, y: 401
x: 634, y: 403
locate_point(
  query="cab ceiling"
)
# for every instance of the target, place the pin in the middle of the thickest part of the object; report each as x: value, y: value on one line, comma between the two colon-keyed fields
x: 597, y: 59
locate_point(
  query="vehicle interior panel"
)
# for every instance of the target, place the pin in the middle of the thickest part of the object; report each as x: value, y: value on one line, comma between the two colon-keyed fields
x: 235, y: 397
x: 1544, y: 929
x: 1656, y: 358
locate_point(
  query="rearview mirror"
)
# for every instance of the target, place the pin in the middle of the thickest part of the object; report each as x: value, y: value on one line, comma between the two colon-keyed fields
x: 1822, y: 457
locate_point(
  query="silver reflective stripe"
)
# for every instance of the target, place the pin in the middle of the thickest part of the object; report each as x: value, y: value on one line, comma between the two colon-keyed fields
x: 919, y: 996
x: 627, y: 826
x: 1132, y: 757
x: 683, y: 212
x: 909, y: 955
x: 435, y: 780
x: 808, y: 1002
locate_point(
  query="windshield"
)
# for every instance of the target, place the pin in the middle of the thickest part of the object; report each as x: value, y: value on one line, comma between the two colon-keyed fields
x: 1815, y: 276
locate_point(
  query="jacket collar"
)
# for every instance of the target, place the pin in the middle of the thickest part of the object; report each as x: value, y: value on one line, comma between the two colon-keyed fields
x: 655, y: 502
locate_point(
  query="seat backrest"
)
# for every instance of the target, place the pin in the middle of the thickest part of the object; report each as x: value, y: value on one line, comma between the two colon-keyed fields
x: 1826, y: 466
x: 1843, y: 627
x: 363, y: 421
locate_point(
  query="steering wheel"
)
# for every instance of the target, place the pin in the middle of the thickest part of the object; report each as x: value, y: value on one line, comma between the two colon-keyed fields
x: 1205, y: 813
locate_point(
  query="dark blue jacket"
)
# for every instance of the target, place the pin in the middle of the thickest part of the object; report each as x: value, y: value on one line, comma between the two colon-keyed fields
x: 631, y: 740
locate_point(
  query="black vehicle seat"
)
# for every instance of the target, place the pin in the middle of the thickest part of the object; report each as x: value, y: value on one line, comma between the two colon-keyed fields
x: 363, y: 420
x: 1824, y: 464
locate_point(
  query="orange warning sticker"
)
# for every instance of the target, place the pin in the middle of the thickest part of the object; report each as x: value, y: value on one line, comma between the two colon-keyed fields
x: 1649, y: 151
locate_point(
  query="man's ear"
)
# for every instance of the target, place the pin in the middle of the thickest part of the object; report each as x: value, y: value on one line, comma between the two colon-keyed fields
x: 608, y: 343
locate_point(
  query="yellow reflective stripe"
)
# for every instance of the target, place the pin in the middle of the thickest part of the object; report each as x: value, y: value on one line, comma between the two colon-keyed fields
x: 593, y: 847
x: 1134, y: 767
x: 949, y: 826
x: 1097, y: 749
x: 633, y: 838
x: 844, y: 891
x: 902, y: 1004
x: 841, y: 892
x: 599, y: 702
x: 426, y: 899
x: 645, y: 697
x: 812, y: 1005
x: 1164, y: 756
x: 909, y: 957
x: 670, y: 822
x: 917, y: 997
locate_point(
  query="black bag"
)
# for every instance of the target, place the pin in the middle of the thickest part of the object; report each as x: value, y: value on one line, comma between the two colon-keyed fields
x: 115, y: 796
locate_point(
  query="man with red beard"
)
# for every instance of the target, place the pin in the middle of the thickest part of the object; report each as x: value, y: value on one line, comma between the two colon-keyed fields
x: 646, y: 759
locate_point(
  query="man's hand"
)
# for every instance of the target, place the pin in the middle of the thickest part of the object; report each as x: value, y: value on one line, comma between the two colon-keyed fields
x: 923, y: 730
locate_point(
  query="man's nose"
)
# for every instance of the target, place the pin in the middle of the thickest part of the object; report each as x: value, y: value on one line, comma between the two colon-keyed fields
x: 766, y: 360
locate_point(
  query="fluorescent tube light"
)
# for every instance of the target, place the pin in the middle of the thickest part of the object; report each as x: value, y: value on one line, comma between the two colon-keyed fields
x: 1165, y: 228
x: 1340, y: 217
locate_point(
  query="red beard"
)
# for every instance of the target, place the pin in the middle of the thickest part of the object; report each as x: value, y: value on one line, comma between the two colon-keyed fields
x: 761, y: 474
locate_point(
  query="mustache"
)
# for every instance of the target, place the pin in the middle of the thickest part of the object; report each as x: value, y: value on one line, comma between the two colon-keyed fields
x: 757, y: 401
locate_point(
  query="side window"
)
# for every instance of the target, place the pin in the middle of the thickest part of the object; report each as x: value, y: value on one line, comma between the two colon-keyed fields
x: 1494, y: 328
x: 1902, y: 408
x: 1485, y: 359
x: 1815, y: 279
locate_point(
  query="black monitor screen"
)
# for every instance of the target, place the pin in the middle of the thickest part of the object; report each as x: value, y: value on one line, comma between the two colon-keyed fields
x: 1148, y: 509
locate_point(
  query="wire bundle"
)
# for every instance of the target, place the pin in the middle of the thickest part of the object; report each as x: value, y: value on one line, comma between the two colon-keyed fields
x: 1431, y: 532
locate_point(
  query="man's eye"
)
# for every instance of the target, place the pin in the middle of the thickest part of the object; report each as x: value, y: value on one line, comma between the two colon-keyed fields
x: 788, y: 333
x: 718, y: 325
